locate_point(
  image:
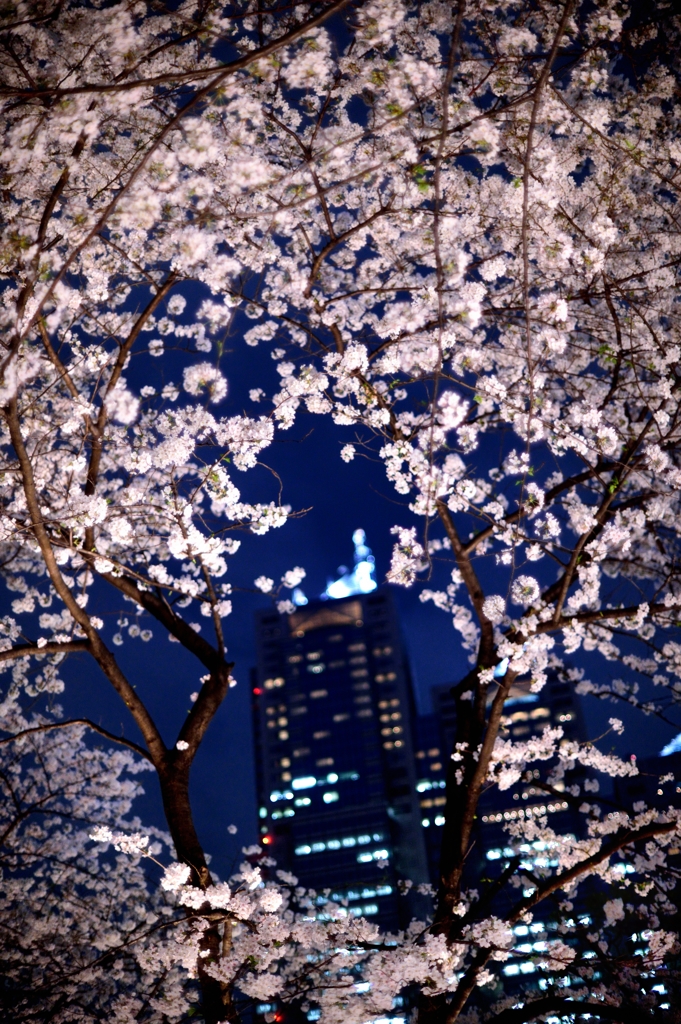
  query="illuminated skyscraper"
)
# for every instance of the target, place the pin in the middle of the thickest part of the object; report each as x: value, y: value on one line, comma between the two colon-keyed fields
x: 527, y: 714
x: 333, y: 710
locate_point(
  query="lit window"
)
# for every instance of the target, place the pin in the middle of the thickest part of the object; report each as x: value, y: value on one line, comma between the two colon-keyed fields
x: 388, y: 746
x: 293, y: 659
x: 397, y: 729
x: 316, y: 669
x: 333, y: 844
x: 396, y: 716
x: 365, y: 713
x: 285, y: 776
x: 437, y: 767
x: 425, y: 822
x: 440, y: 820
x: 271, y: 724
x: 288, y: 812
x: 394, y: 703
x: 318, y: 847
x: 330, y: 797
x: 358, y: 673
x: 358, y: 660
x: 285, y: 762
x: 274, y: 684
x: 314, y: 655
x: 321, y: 735
x: 434, y: 752
x: 302, y: 801
x: 302, y: 710
x: 364, y: 858
x: 306, y: 782
x: 301, y: 752
x: 357, y: 647
x: 398, y: 743
x: 283, y: 735
x: 349, y: 841
x: 315, y: 694
x: 324, y: 762
x: 277, y: 795
x: 360, y: 687
x: 341, y: 718
x: 540, y: 713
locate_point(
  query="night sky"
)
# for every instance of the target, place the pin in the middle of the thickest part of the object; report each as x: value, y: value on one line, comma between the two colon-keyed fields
x: 338, y: 497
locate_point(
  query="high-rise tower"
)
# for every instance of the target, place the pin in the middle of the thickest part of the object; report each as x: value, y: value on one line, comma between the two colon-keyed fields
x: 332, y: 713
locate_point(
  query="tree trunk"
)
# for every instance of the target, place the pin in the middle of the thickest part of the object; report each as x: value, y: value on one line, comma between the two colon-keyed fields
x: 216, y: 998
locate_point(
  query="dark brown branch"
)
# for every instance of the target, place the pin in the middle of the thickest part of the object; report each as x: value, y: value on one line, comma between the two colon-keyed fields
x: 97, y: 429
x: 223, y: 70
x: 51, y: 647
x: 583, y: 867
x: 79, y: 721
x: 55, y: 360
x: 472, y: 583
x: 213, y: 692
x: 103, y: 656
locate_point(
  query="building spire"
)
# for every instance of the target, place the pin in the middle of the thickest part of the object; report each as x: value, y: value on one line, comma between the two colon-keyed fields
x: 361, y: 579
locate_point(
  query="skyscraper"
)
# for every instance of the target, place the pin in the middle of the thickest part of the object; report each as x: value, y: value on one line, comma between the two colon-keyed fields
x: 333, y: 710
x: 526, y: 715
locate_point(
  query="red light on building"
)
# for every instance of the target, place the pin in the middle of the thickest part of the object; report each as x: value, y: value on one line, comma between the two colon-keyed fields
x: 266, y: 840
x: 257, y: 690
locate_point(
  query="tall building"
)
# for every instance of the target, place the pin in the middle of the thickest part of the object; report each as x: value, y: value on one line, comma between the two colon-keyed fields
x: 526, y: 715
x: 333, y: 713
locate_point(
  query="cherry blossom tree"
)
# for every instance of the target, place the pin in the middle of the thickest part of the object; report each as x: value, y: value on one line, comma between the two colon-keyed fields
x: 454, y: 227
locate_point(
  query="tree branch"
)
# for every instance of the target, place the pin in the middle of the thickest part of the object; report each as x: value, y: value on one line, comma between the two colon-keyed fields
x: 80, y: 721
x: 618, y: 842
x: 103, y: 656
x: 51, y: 647
x: 472, y: 583
x: 223, y: 69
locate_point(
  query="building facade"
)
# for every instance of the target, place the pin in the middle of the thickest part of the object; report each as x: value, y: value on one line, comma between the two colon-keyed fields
x: 333, y: 713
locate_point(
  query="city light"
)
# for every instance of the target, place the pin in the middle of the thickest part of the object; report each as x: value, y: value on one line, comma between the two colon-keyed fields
x: 361, y: 579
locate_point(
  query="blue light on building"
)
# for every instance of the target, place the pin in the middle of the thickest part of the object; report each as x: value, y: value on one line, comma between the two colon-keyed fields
x: 361, y: 579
